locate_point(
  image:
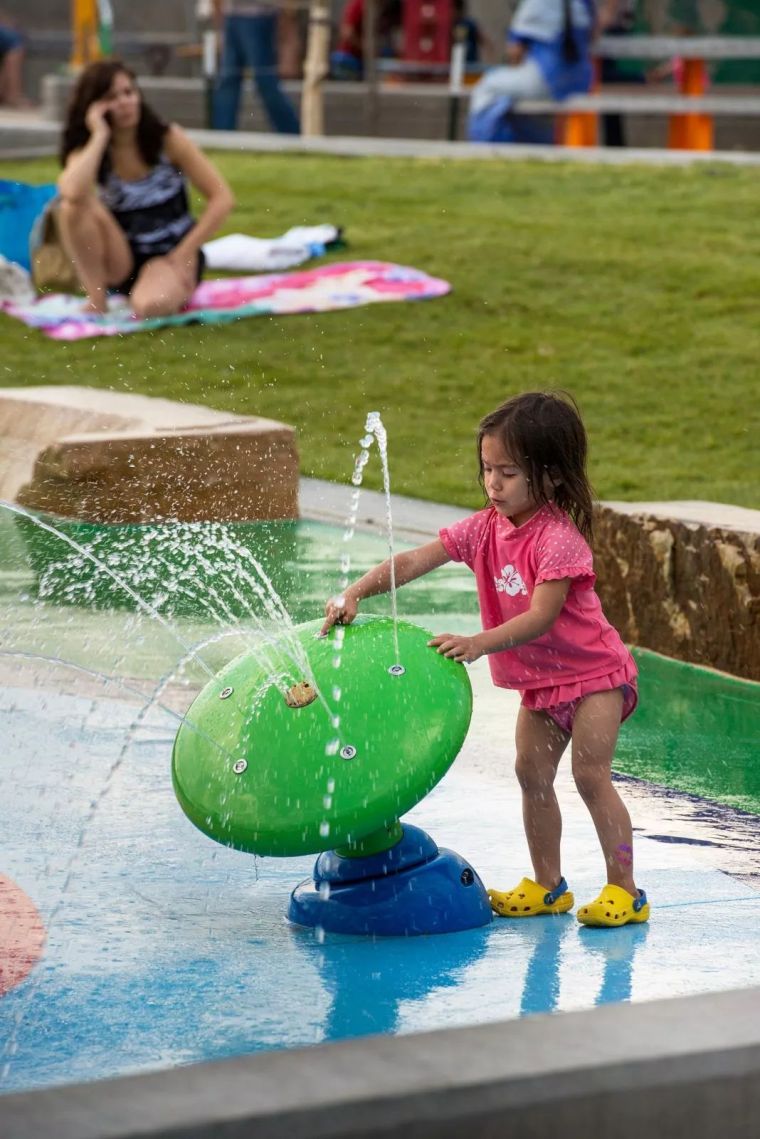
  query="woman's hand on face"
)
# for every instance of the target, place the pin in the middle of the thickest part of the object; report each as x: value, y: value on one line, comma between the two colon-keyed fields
x: 462, y: 649
x: 339, y: 611
x: 95, y: 119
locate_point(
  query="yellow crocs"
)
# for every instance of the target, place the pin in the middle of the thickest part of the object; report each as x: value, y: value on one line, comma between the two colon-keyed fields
x: 615, y: 906
x: 529, y: 900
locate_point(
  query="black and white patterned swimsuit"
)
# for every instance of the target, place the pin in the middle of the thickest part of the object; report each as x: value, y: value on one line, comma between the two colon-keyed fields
x: 153, y: 211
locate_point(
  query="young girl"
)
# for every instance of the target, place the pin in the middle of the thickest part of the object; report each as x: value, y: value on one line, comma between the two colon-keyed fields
x: 546, y: 636
x: 124, y: 213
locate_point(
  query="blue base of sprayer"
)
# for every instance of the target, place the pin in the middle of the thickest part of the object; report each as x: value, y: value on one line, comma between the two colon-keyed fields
x: 412, y: 888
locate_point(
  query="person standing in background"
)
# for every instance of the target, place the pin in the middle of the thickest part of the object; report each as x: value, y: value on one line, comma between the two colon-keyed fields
x: 468, y: 31
x: 616, y: 18
x: 12, y: 52
x: 249, y: 36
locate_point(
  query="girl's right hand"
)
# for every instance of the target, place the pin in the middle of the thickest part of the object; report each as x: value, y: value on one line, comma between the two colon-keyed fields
x: 339, y: 610
x: 96, y: 119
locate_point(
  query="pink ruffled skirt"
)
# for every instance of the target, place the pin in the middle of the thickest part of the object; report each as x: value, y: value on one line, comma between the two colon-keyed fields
x: 561, y: 702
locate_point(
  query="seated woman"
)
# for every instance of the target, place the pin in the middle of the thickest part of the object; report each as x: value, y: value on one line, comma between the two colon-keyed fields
x: 549, y: 54
x: 124, y: 215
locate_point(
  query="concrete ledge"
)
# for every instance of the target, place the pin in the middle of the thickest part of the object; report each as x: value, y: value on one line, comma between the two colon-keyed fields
x: 666, y: 1068
x: 360, y: 147
x: 22, y: 135
x: 116, y: 457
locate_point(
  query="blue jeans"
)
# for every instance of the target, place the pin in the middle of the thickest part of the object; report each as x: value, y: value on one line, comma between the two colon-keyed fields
x: 251, y: 41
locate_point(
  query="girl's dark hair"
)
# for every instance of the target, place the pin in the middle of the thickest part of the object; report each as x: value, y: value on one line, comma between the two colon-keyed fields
x: 543, y: 433
x: 569, y: 46
x: 94, y: 83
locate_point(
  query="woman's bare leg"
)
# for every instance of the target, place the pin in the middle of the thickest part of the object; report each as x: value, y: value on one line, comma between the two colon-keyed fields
x: 163, y: 287
x: 595, y: 732
x: 540, y: 744
x: 96, y: 245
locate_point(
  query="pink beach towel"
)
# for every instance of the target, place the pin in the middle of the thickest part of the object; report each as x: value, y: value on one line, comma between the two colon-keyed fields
x: 338, y: 286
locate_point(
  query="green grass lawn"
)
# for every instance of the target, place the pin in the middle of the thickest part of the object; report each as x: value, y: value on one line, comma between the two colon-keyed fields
x: 635, y: 288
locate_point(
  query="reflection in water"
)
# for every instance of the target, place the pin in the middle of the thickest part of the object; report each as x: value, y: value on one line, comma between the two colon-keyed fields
x: 368, y: 979
x: 729, y: 838
x: 541, y: 989
x: 617, y: 953
x: 695, y: 730
x: 615, y: 948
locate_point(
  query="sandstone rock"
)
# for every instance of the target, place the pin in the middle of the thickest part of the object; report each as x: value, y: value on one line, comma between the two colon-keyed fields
x: 683, y: 579
x: 116, y: 457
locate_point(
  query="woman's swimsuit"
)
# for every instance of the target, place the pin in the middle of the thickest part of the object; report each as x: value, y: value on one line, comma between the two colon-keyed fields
x: 153, y: 212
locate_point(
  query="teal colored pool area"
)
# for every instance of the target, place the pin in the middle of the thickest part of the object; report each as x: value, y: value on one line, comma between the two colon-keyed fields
x: 140, y: 945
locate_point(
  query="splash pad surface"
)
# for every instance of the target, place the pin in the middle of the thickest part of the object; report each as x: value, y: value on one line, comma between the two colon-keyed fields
x: 164, y: 948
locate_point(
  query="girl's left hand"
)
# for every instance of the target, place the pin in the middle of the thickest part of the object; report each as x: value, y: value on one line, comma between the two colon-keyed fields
x: 462, y: 649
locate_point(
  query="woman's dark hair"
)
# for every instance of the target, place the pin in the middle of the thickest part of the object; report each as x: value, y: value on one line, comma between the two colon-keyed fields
x: 569, y: 46
x: 94, y: 83
x: 543, y: 433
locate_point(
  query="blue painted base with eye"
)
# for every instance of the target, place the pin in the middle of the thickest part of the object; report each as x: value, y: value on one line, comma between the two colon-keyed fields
x: 412, y: 888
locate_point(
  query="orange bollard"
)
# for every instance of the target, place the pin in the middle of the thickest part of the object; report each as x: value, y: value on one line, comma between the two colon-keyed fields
x: 692, y: 132
x: 581, y: 128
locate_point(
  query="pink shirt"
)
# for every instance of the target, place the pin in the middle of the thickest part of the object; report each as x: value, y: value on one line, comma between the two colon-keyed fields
x: 509, y: 562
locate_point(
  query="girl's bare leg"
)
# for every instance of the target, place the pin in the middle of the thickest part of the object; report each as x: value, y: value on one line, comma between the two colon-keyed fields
x: 595, y: 733
x: 540, y: 744
x: 96, y: 245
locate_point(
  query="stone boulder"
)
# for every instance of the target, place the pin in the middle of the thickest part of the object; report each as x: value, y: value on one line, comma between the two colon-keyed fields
x: 683, y: 579
x: 116, y: 457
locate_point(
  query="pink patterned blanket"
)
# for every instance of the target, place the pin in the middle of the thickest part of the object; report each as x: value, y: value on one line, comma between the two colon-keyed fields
x: 343, y: 285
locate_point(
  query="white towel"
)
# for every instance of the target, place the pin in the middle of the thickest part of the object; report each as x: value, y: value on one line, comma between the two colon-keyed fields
x: 238, y: 251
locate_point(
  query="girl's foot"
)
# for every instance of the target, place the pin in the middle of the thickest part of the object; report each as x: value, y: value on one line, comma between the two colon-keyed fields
x: 529, y: 899
x: 615, y: 906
